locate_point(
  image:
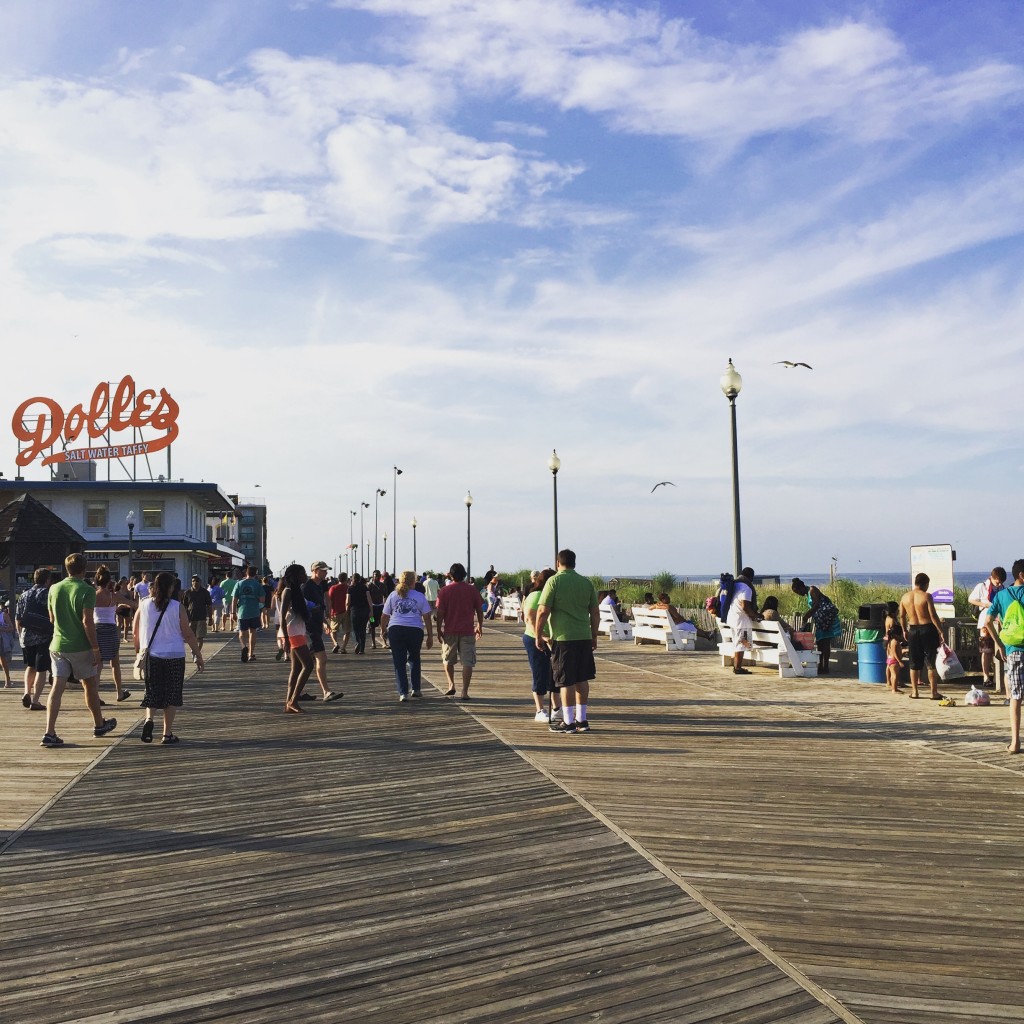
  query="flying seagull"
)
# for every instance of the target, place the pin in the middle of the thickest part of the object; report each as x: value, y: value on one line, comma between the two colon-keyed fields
x: 789, y: 366
x: 662, y: 484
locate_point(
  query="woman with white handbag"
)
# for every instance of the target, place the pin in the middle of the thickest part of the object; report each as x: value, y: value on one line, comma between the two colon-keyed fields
x: 162, y: 625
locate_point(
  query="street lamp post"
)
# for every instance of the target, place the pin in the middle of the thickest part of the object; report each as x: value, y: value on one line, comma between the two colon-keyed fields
x: 731, y: 383
x: 130, y: 523
x: 380, y: 494
x: 386, y: 551
x: 394, y: 522
x: 555, y: 464
x: 351, y: 540
x: 362, y: 506
x: 414, y: 525
x: 469, y: 528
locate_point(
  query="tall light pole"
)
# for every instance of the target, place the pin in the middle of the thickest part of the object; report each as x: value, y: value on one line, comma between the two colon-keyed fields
x: 386, y: 551
x: 351, y: 540
x: 469, y: 527
x: 731, y: 383
x: 380, y: 494
x: 555, y: 464
x: 130, y: 523
x: 394, y: 522
x: 363, y: 505
x: 414, y: 525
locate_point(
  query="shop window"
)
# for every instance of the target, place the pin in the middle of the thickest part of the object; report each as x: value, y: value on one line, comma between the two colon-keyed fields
x: 153, y: 515
x: 95, y: 515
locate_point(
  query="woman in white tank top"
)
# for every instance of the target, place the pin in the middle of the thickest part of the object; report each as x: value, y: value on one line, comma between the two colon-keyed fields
x: 161, y: 627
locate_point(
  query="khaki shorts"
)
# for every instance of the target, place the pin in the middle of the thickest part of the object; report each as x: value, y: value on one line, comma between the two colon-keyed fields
x: 199, y: 628
x: 459, y: 648
x: 342, y: 622
x: 81, y: 663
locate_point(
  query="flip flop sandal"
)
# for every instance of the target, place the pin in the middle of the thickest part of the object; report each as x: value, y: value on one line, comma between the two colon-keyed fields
x: 147, y: 732
x: 329, y: 696
x: 947, y: 702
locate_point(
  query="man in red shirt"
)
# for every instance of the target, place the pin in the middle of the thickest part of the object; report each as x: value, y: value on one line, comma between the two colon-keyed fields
x: 341, y: 616
x: 458, y: 605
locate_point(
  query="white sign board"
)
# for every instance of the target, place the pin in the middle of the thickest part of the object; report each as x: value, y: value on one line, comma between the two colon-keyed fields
x: 936, y: 562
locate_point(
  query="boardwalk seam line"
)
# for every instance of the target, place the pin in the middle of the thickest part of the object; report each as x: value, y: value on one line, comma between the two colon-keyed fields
x: 819, y: 993
x: 813, y: 988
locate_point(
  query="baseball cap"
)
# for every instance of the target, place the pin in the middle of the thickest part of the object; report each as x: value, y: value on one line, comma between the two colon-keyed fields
x: 318, y: 565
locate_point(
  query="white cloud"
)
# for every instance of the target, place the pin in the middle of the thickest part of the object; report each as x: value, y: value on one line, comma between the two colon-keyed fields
x: 276, y: 150
x: 653, y: 75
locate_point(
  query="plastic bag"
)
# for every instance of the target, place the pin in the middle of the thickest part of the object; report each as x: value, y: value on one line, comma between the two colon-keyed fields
x: 976, y: 697
x: 947, y: 664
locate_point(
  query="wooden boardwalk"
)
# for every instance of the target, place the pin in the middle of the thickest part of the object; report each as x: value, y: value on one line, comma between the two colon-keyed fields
x: 366, y: 861
x: 711, y: 852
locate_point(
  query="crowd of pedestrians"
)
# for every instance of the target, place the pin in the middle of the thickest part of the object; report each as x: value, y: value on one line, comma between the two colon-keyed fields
x: 70, y: 628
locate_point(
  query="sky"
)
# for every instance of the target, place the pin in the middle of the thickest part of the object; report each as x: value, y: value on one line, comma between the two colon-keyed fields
x: 453, y: 235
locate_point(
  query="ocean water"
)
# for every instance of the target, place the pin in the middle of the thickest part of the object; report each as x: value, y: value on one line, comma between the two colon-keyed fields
x: 961, y: 577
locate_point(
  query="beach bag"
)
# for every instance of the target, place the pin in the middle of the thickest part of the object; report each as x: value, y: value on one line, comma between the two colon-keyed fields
x: 1012, y: 632
x: 803, y: 641
x: 723, y: 599
x: 141, y: 669
x: 947, y: 664
x: 976, y: 697
x: 825, y: 616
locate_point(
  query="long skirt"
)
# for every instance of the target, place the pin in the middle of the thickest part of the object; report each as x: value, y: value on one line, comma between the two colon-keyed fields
x: 165, y: 682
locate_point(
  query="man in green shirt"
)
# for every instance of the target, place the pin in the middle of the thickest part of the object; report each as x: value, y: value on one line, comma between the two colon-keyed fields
x: 228, y: 585
x: 569, y: 601
x: 73, y: 648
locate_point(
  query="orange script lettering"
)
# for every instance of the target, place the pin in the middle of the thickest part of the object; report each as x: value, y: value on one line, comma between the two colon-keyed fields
x: 40, y: 423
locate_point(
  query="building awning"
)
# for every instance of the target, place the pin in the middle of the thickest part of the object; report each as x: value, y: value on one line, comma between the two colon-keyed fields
x: 115, y: 547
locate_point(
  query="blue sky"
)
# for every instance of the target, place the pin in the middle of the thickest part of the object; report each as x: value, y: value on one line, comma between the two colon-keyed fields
x: 454, y: 235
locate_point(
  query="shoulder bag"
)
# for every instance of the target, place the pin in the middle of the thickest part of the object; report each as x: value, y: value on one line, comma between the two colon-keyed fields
x: 141, y: 670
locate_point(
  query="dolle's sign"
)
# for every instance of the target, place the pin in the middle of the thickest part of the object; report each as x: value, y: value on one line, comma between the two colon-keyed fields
x: 40, y: 423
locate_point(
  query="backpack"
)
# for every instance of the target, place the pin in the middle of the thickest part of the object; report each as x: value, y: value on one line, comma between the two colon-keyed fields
x: 726, y: 589
x: 1012, y: 632
x: 826, y: 615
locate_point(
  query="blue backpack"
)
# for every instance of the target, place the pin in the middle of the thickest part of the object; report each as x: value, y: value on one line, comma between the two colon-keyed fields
x: 726, y: 589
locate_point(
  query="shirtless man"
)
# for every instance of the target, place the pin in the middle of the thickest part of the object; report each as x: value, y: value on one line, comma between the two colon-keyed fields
x: 921, y: 625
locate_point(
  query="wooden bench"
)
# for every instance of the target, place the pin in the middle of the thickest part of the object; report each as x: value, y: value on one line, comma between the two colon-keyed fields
x: 612, y: 625
x: 771, y: 647
x: 511, y: 607
x: 656, y: 624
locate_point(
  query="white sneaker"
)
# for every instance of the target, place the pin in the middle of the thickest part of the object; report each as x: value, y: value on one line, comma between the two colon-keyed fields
x: 556, y: 715
x: 541, y: 716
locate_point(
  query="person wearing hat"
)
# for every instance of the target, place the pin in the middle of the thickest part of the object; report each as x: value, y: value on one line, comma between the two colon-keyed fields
x: 314, y: 591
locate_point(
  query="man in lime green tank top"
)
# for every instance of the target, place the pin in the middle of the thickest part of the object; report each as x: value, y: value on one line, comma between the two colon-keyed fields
x: 569, y: 601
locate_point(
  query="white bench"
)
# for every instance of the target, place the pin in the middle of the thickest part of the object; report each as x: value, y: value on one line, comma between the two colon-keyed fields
x: 771, y: 647
x: 656, y: 624
x: 511, y: 607
x: 612, y: 625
